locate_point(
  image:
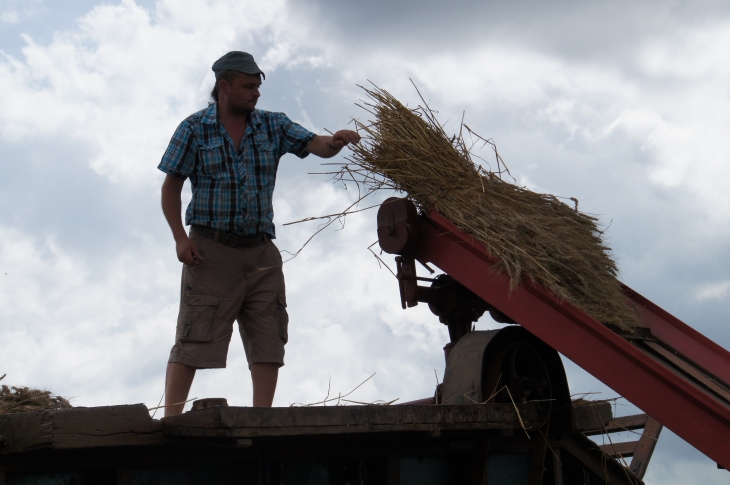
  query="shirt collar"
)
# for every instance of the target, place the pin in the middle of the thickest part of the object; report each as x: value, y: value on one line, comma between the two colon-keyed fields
x: 256, y: 118
x: 210, y: 116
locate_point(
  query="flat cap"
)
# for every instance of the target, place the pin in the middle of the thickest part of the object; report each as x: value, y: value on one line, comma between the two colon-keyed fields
x: 237, y: 61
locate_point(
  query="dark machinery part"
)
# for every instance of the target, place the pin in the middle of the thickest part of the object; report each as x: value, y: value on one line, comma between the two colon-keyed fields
x: 456, y: 306
x: 501, y: 366
x: 398, y: 226
x: 507, y: 365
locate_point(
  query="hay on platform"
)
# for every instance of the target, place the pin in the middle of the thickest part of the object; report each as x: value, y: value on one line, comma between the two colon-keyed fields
x: 24, y: 399
x: 536, y: 237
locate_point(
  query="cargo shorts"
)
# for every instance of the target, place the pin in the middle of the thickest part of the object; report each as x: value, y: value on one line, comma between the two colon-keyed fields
x: 243, y: 284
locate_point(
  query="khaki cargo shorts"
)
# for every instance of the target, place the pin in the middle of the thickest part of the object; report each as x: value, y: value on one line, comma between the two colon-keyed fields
x: 244, y: 284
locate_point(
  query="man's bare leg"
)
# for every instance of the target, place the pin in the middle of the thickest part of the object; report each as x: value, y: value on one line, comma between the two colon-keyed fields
x: 264, y: 376
x: 178, y: 380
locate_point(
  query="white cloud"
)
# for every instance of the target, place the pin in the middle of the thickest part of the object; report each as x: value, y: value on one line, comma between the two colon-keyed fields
x: 714, y: 291
x: 82, y: 333
x: 116, y: 85
x: 131, y: 74
x: 669, y: 100
x: 15, y: 11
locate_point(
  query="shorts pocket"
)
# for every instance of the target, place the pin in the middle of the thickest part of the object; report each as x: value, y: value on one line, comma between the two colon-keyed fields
x: 196, y: 319
x: 283, y: 318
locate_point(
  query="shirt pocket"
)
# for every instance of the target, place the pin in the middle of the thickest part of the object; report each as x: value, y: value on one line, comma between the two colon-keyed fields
x: 263, y: 142
x: 267, y: 163
x: 212, y: 158
x: 197, y: 318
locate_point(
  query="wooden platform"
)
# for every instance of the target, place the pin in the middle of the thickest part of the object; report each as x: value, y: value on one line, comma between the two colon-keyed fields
x: 131, y: 425
x: 237, y: 422
x: 388, y: 445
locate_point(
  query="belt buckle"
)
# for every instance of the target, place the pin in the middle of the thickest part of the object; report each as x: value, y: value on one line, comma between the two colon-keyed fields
x: 232, y: 240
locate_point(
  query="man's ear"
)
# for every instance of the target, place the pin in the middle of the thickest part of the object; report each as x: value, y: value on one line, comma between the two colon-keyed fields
x: 224, y: 86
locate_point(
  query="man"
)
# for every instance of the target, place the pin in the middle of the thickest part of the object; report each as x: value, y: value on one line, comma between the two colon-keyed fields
x: 232, y: 270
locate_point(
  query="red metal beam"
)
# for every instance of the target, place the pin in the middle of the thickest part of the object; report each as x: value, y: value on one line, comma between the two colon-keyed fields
x: 683, y: 338
x: 675, y: 400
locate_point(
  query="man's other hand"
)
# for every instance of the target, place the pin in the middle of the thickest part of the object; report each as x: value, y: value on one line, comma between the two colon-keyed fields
x: 187, y: 252
x: 345, y: 137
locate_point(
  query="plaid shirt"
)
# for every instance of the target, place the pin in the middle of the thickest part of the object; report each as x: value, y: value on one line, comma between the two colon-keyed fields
x: 232, y: 192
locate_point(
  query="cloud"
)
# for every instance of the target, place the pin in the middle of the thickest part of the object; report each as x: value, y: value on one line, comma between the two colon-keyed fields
x: 14, y: 11
x: 78, y: 330
x: 120, y: 62
x: 715, y: 291
x: 624, y: 106
x: 661, y: 82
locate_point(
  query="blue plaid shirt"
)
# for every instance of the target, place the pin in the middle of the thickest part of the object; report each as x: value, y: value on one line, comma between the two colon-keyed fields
x: 233, y: 191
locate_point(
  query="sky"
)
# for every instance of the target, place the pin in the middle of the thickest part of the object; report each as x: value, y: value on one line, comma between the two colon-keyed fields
x: 624, y: 105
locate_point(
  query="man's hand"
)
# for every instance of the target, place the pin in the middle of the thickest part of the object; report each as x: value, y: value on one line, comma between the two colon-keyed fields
x: 187, y: 252
x: 344, y: 137
x: 329, y: 146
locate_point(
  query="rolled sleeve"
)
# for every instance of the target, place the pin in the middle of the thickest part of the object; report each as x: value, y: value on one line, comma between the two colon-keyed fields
x: 179, y: 158
x: 294, y: 137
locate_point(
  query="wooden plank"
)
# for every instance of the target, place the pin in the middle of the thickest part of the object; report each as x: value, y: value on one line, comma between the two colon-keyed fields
x: 478, y: 475
x: 393, y: 469
x: 589, y: 416
x: 78, y: 440
x: 624, y: 449
x: 125, y: 425
x: 105, y: 420
x: 486, y: 416
x: 591, y: 455
x: 537, y: 460
x: 324, y: 430
x: 123, y: 475
x: 616, y: 425
x: 557, y: 467
x: 645, y: 447
x: 26, y: 431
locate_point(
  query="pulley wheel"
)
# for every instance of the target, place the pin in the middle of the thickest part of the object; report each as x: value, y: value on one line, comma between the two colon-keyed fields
x: 504, y: 366
x: 516, y: 373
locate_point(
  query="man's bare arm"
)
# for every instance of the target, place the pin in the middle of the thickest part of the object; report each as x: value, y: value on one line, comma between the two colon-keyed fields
x: 187, y: 252
x: 329, y: 146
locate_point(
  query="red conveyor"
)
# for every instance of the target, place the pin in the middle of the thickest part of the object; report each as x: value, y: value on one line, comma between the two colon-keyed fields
x: 670, y: 371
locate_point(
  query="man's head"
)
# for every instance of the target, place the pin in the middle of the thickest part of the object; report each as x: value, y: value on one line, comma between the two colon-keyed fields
x: 237, y: 79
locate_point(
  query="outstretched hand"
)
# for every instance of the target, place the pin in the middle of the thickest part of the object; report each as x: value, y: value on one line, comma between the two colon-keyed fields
x: 329, y: 146
x: 344, y: 137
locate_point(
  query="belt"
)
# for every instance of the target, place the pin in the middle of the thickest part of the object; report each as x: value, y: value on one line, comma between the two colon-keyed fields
x: 229, y: 239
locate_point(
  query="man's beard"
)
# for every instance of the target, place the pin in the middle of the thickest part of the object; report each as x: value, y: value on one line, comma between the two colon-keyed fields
x: 239, y: 109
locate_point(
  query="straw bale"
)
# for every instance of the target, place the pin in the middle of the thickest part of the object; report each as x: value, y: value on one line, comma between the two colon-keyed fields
x: 536, y: 237
x: 24, y: 399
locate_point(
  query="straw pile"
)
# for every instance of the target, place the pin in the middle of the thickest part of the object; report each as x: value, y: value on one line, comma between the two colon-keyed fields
x: 23, y: 399
x: 536, y: 237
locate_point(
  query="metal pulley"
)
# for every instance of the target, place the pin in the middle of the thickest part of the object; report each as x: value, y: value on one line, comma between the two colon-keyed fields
x: 507, y: 365
x: 398, y: 226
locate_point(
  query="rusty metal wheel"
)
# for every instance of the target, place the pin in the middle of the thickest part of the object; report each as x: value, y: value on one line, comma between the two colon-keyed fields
x: 521, y: 375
